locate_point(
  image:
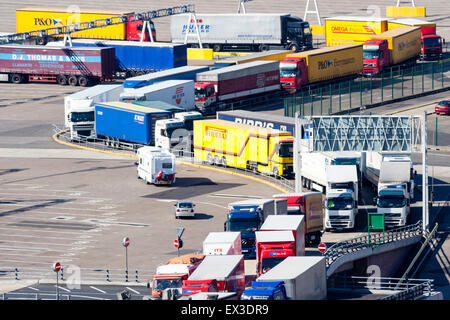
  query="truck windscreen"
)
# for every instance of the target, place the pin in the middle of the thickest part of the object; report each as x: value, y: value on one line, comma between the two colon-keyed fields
x: 339, y: 203
x: 391, y: 202
x: 269, y: 263
x: 244, y: 225
x: 288, y: 70
x: 432, y: 42
x: 161, y: 284
x: 370, y: 54
x: 286, y: 150
x: 82, y: 116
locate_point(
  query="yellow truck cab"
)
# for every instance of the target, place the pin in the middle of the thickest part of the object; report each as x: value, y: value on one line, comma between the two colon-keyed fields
x: 244, y: 146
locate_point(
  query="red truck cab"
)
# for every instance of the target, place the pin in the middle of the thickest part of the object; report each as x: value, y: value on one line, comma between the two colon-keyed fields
x: 375, y: 56
x: 293, y: 73
x: 431, y: 44
x: 134, y: 31
x: 191, y: 287
x: 205, y: 93
x: 272, y: 247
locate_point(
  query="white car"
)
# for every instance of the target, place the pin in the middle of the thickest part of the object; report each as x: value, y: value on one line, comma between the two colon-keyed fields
x: 184, y: 208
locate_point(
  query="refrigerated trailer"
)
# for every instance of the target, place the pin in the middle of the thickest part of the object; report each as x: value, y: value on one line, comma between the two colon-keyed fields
x: 75, y: 66
x: 239, y: 32
x: 222, y: 243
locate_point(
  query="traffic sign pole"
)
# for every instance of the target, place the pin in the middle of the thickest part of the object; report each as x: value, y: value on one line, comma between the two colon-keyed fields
x: 126, y: 243
x: 56, y: 267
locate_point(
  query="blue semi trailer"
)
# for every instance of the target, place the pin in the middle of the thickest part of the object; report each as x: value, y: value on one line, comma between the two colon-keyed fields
x: 126, y: 122
x: 135, y: 58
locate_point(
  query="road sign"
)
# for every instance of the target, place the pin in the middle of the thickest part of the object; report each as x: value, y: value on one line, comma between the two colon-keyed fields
x: 322, y: 247
x: 56, y: 267
x: 126, y: 242
x: 175, y: 243
x: 179, y: 232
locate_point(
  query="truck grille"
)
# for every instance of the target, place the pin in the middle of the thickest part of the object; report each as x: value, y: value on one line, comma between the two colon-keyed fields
x: 200, y: 105
x: 247, y: 242
x: 339, y: 221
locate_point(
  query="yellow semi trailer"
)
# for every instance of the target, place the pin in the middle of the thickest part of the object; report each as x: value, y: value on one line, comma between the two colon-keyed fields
x: 243, y: 146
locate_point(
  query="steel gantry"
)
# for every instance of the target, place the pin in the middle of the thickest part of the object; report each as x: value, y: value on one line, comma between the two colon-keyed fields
x: 67, y: 30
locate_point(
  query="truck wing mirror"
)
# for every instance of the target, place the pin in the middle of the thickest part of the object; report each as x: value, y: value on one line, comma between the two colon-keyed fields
x: 136, y: 163
x: 225, y: 226
x: 375, y: 200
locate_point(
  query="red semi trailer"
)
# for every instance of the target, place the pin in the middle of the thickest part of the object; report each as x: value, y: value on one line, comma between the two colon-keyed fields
x: 75, y: 66
x: 216, y: 88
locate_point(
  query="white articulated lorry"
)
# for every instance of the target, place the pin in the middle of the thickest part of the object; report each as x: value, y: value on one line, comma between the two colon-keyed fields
x: 79, y: 108
x: 156, y: 165
x: 393, y: 196
x: 179, y: 93
x: 341, y: 201
x: 373, y: 166
x: 249, y: 32
x: 313, y: 166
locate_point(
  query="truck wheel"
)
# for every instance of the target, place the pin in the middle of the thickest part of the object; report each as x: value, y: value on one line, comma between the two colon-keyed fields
x: 275, y: 173
x: 61, y: 80
x: 263, y: 47
x: 210, y: 159
x: 73, y: 81
x: 16, y: 78
x: 217, y: 47
x: 294, y: 47
x: 83, y: 81
x: 224, y: 162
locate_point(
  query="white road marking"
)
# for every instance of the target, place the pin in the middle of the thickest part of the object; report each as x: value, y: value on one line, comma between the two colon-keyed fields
x: 133, y: 290
x: 212, y: 204
x: 62, y: 288
x: 92, y: 287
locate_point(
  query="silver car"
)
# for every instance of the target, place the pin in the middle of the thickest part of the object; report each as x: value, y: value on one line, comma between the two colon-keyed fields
x: 184, y: 208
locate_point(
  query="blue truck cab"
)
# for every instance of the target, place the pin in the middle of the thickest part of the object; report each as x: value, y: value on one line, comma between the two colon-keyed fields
x: 265, y: 291
x: 247, y: 216
x: 247, y: 220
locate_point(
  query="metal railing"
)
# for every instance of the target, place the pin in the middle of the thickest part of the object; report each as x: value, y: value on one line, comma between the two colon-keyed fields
x: 76, y: 274
x: 181, y: 155
x: 347, y: 95
x: 401, y: 290
x: 339, y: 249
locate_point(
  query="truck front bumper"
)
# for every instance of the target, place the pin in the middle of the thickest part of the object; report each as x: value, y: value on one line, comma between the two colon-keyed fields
x: 339, y: 222
x: 392, y: 220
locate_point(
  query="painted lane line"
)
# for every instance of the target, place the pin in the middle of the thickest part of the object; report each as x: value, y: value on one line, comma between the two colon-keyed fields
x: 212, y: 204
x: 43, y: 236
x: 28, y: 230
x: 101, y: 291
x: 62, y: 288
x: 133, y: 290
x: 43, y: 243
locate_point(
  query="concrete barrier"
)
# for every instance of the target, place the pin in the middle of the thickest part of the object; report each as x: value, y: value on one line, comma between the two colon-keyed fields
x: 405, y: 12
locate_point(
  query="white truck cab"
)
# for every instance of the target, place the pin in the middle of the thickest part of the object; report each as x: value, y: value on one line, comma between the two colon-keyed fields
x: 188, y: 118
x: 394, y: 193
x: 81, y: 120
x: 169, y: 133
x: 156, y: 165
x: 341, y: 200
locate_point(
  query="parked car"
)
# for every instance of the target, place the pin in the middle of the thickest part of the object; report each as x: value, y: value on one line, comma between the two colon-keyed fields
x: 443, y: 107
x: 184, y: 208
